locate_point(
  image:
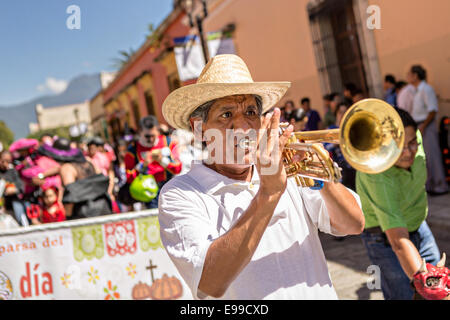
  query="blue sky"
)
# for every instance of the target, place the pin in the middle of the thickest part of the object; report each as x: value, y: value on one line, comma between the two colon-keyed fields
x: 39, y: 54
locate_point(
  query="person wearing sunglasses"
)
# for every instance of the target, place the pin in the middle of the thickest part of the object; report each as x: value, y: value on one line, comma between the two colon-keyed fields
x: 154, y: 154
x: 394, y: 202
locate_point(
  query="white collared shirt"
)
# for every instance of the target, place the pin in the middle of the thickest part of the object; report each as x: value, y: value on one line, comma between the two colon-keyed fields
x: 405, y: 98
x: 425, y: 101
x: 289, y: 263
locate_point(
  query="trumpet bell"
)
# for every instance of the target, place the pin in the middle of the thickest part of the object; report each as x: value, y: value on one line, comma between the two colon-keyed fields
x: 372, y: 135
x: 371, y: 138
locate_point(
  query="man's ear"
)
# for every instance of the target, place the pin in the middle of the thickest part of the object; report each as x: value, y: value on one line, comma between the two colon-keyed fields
x: 197, y: 128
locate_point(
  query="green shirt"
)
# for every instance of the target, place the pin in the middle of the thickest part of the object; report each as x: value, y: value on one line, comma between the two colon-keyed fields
x: 396, y: 197
x: 329, y: 119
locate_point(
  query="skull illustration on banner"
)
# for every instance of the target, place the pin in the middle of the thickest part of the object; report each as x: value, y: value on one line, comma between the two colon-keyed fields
x: 120, y: 238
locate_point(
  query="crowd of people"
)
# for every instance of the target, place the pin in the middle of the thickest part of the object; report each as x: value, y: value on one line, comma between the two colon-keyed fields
x: 415, y: 96
x: 43, y: 181
x: 55, y: 179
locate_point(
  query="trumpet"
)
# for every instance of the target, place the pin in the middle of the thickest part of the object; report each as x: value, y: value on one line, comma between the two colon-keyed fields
x: 371, y: 139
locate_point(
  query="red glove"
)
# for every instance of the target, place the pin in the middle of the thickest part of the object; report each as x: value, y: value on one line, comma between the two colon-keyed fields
x: 33, y: 211
x: 433, y: 282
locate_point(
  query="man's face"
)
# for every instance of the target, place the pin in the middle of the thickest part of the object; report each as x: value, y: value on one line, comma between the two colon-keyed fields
x: 340, y: 113
x: 5, y: 160
x: 122, y: 149
x: 408, y: 155
x: 288, y: 107
x: 334, y: 103
x: 357, y: 97
x: 412, y: 77
x: 92, y: 149
x: 46, y: 140
x: 147, y: 137
x: 305, y: 106
x: 229, y: 120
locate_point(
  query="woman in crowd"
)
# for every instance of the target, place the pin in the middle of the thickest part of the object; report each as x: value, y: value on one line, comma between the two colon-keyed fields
x: 120, y: 174
x: 35, y: 169
x: 85, y: 188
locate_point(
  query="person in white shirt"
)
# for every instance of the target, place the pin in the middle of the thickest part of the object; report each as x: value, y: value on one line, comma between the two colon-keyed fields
x: 405, y: 96
x: 424, y: 111
x: 240, y: 229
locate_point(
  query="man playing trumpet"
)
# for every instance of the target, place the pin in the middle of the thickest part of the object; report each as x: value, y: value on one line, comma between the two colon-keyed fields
x: 238, y: 228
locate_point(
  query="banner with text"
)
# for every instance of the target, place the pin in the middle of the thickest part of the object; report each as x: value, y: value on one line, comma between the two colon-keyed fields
x: 110, y: 257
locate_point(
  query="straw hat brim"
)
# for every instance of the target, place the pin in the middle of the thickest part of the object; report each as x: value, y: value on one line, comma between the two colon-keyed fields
x: 180, y: 104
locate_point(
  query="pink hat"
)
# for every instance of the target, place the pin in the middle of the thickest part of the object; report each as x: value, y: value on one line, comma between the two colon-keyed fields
x: 23, y: 144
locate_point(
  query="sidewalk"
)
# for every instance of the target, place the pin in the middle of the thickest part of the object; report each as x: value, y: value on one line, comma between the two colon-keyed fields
x: 348, y: 262
x: 439, y: 213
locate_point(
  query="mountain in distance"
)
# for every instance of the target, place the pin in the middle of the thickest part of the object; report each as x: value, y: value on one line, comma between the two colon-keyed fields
x: 79, y: 89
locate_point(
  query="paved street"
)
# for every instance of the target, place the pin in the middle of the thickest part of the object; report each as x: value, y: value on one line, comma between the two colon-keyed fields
x: 348, y: 261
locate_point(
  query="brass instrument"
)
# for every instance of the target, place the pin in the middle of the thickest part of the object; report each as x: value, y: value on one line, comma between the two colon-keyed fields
x: 371, y: 138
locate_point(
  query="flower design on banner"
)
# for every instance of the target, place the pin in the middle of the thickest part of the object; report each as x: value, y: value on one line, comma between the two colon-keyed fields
x: 65, y: 280
x: 93, y: 275
x: 120, y: 238
x: 149, y: 237
x: 131, y: 269
x: 111, y: 292
x: 6, y: 289
x: 87, y: 242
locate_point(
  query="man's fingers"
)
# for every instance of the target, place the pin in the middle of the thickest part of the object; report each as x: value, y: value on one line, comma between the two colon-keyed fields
x: 266, y: 120
x: 285, y: 136
x: 264, y: 126
x: 273, y: 129
x: 275, y: 121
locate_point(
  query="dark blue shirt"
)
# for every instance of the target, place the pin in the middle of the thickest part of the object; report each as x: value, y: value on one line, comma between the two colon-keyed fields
x: 390, y: 97
x: 313, y: 120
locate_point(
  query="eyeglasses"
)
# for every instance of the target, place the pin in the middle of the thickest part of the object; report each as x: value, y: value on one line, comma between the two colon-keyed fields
x: 412, y: 146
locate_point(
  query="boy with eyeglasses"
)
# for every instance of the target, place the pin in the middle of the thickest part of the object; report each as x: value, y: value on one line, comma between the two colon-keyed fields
x: 395, y: 207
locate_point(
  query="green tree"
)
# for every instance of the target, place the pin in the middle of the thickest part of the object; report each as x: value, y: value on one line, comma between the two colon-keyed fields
x: 6, y: 135
x: 62, y: 132
x: 124, y: 58
x: 153, y: 36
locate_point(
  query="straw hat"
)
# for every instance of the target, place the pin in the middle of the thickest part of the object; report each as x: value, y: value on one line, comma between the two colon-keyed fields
x: 224, y: 75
